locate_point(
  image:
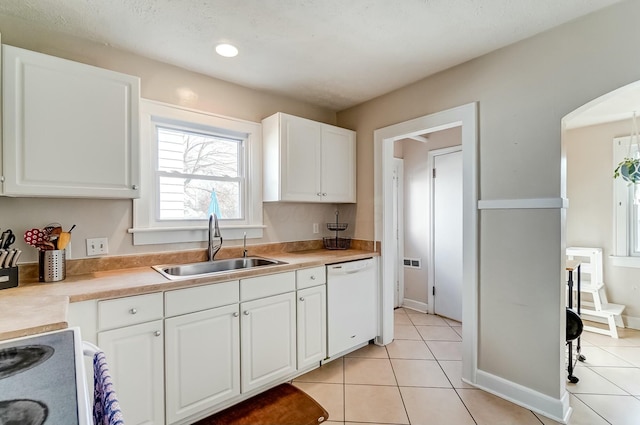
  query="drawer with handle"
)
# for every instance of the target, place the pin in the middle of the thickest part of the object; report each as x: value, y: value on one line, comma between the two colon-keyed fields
x: 128, y: 311
x: 314, y: 276
x: 189, y: 300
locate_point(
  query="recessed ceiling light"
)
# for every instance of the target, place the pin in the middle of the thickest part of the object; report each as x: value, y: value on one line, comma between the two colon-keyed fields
x: 226, y: 50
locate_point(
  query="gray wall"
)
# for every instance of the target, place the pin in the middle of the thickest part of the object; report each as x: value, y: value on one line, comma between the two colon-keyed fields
x: 523, y: 92
x: 417, y: 203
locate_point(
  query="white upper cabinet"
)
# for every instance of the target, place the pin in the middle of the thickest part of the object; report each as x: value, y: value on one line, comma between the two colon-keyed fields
x: 308, y: 161
x: 69, y: 129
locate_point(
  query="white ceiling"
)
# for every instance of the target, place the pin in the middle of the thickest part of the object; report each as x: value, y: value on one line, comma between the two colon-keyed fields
x: 331, y: 53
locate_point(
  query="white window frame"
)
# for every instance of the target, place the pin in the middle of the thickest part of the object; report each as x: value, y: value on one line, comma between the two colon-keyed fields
x: 147, y: 229
x: 623, y: 226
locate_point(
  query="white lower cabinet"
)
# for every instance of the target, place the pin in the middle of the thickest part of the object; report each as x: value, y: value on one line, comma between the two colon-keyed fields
x: 268, y: 340
x: 312, y: 325
x: 218, y: 343
x: 202, y: 352
x: 135, y: 355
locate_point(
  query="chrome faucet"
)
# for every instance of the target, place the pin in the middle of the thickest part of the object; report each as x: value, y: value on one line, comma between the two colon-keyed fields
x: 244, y: 253
x: 214, y: 233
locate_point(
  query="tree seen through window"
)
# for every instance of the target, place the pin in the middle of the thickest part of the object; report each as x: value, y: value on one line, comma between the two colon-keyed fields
x: 199, y: 174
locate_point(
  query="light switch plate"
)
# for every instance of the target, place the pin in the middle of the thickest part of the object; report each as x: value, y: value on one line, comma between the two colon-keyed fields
x: 97, y: 246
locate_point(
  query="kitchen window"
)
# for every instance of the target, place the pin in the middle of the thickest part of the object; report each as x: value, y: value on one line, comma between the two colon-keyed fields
x: 193, y: 164
x: 626, y: 212
x: 199, y: 173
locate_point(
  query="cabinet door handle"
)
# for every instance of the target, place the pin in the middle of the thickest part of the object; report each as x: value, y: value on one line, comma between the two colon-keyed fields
x: 134, y: 187
x: 301, y: 298
x: 313, y: 277
x: 236, y: 314
x: 157, y: 333
x: 133, y: 311
x: 319, y: 194
x: 246, y: 312
x: 324, y: 194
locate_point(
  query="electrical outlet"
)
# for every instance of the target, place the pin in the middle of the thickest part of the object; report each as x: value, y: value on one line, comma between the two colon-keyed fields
x: 97, y: 246
x: 413, y: 263
x: 316, y: 228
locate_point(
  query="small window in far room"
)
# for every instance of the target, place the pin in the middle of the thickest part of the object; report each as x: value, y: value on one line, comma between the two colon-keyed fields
x: 626, y: 215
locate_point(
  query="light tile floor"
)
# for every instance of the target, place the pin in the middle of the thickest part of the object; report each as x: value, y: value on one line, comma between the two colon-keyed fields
x: 416, y: 380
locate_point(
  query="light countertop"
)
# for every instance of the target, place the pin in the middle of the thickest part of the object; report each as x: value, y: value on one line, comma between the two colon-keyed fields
x: 37, y: 307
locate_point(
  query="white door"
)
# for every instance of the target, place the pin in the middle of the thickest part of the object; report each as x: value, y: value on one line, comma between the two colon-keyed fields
x: 312, y: 325
x: 267, y: 340
x: 338, y: 175
x: 301, y: 159
x: 136, y: 361
x: 202, y: 360
x: 447, y: 234
x: 61, y: 112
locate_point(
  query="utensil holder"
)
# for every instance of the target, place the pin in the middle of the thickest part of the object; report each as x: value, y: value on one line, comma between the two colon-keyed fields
x: 9, y: 277
x: 52, y: 266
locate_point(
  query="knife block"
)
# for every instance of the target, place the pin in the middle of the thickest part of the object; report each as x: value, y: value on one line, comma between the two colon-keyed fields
x: 9, y: 277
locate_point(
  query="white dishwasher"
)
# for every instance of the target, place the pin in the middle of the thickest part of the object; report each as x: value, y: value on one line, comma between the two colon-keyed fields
x: 352, y: 305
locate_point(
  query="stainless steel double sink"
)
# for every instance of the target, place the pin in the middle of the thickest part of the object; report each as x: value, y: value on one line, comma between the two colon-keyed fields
x: 210, y: 268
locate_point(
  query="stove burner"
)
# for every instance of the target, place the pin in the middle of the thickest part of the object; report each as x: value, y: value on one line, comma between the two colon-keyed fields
x: 18, y: 359
x: 23, y: 412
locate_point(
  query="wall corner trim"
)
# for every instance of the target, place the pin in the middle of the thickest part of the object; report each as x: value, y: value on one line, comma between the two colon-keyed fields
x: 528, y: 203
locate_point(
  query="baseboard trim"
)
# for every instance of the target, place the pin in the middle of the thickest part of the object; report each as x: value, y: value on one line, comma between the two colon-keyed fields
x: 415, y: 305
x: 631, y: 322
x: 556, y: 409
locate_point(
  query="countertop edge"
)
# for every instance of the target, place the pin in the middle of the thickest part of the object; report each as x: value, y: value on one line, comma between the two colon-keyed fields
x: 36, y: 307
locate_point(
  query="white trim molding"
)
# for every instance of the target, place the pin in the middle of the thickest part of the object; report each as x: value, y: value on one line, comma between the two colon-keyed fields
x: 622, y: 261
x: 414, y: 305
x: 466, y: 117
x: 557, y: 409
x: 515, y: 204
x: 147, y: 228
